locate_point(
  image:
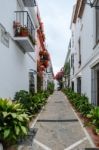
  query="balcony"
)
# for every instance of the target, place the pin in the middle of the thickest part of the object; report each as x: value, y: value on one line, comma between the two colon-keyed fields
x: 24, y: 31
x: 29, y: 3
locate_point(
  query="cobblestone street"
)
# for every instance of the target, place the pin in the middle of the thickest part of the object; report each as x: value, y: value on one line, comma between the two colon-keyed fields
x: 58, y: 127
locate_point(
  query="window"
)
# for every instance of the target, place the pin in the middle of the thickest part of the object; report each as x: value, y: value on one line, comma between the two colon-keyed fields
x: 72, y: 85
x: 72, y: 39
x: 72, y: 60
x: 79, y: 85
x: 31, y: 82
x: 79, y: 47
x: 95, y: 85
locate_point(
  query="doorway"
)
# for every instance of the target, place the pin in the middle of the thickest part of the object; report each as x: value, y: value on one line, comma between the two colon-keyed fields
x: 72, y: 85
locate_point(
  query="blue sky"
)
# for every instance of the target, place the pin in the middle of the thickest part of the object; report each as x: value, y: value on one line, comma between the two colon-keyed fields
x: 56, y: 16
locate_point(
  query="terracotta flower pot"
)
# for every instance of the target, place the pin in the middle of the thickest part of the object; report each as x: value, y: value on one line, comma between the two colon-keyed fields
x: 24, y: 31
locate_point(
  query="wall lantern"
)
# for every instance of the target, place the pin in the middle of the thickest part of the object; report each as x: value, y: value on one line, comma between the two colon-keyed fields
x: 93, y: 3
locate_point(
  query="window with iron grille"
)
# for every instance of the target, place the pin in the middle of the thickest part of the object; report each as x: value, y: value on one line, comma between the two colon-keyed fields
x: 95, y: 85
x: 79, y: 85
x: 31, y: 83
x: 79, y: 46
x: 72, y: 60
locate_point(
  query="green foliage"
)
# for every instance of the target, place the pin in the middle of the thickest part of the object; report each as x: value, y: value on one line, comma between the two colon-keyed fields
x: 80, y: 102
x: 39, y: 100
x: 25, y: 99
x: 94, y: 116
x: 13, y: 122
x: 50, y: 87
x: 31, y: 103
x: 14, y: 116
x: 45, y: 94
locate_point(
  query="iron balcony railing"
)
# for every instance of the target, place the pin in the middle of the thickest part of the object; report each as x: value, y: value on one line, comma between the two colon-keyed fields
x: 29, y: 3
x: 23, y: 25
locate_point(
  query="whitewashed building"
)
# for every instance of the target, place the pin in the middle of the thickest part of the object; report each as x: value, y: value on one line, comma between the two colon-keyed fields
x: 85, y: 50
x: 18, y: 66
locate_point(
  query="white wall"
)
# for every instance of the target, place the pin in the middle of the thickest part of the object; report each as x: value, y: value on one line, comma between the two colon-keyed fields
x: 14, y: 64
x: 14, y: 69
x: 85, y: 30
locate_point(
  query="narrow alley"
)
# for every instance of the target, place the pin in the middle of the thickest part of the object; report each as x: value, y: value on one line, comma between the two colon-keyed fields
x: 49, y: 75
x: 58, y: 127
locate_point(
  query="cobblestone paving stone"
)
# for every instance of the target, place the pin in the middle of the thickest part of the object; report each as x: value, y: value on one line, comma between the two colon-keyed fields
x: 58, y: 127
x: 82, y: 146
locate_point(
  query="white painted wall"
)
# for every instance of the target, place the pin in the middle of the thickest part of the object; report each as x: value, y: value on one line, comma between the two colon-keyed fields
x: 85, y: 29
x: 14, y: 64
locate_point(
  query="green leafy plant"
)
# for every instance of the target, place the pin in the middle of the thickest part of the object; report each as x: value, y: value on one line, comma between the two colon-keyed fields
x: 94, y: 116
x: 39, y: 100
x: 45, y: 94
x: 13, y: 122
x: 50, y: 87
x: 31, y: 103
x: 80, y: 102
x: 25, y: 99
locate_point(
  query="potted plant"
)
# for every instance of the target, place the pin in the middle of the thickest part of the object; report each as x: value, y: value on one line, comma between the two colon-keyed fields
x: 24, y: 31
x: 17, y: 27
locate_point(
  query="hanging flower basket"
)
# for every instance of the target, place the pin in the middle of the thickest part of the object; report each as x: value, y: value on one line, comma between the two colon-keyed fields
x: 42, y: 68
x: 45, y: 64
x: 41, y: 53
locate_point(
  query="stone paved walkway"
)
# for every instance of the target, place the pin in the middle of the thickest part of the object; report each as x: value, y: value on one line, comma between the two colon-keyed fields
x: 58, y: 128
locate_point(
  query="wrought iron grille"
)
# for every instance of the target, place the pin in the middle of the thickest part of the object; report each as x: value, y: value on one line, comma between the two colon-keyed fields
x: 23, y: 19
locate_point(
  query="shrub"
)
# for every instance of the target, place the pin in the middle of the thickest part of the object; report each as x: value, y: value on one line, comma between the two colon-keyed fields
x: 13, y: 122
x: 45, y: 94
x: 38, y: 100
x: 31, y: 103
x: 50, y: 87
x: 84, y: 106
x: 94, y: 116
x: 25, y: 99
x: 80, y: 102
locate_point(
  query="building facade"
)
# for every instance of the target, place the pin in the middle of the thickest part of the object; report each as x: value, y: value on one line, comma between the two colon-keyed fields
x: 18, y: 26
x: 44, y: 65
x: 85, y: 51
